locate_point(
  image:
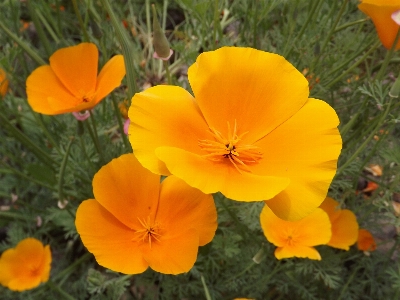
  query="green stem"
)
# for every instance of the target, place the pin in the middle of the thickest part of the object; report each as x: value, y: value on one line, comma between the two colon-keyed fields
x: 62, y: 170
x: 216, y: 23
x: 39, y: 120
x: 348, y: 282
x: 39, y: 28
x: 332, y: 82
x: 95, y: 137
x: 48, y: 27
x: 120, y: 123
x: 127, y: 49
x: 367, y: 140
x: 40, y: 154
x: 388, y: 56
x: 64, y: 274
x: 303, y: 28
x: 167, y: 72
x: 344, y: 26
x: 56, y: 288
x: 78, y: 15
x: 203, y: 281
x: 26, y: 47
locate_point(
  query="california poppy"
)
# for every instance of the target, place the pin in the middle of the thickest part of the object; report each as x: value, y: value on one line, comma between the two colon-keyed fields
x: 25, y: 266
x: 380, y: 11
x: 366, y: 241
x: 251, y: 132
x: 344, y: 224
x: 3, y: 83
x: 298, y: 238
x: 136, y: 222
x: 70, y: 83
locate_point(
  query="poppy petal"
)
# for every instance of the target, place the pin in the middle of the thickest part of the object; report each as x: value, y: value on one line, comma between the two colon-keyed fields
x: 305, y: 149
x: 380, y: 13
x: 298, y: 251
x: 174, y: 254
x: 177, y: 122
x: 344, y: 230
x: 52, y: 100
x: 127, y: 190
x: 108, y: 239
x: 316, y: 228
x: 195, y: 170
x: 110, y: 77
x: 258, y: 90
x: 182, y: 206
x: 81, y: 59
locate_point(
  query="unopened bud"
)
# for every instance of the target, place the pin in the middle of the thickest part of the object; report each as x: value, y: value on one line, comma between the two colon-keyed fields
x: 160, y: 42
x: 260, y: 255
x: 395, y: 90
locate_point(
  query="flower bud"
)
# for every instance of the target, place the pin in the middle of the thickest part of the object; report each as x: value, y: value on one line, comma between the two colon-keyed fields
x: 160, y: 42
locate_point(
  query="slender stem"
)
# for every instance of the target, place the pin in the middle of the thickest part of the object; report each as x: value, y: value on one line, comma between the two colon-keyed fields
x: 56, y: 288
x: 166, y: 66
x: 367, y: 140
x: 39, y: 28
x: 40, y: 154
x: 78, y: 15
x: 127, y: 48
x: 120, y: 124
x: 388, y: 56
x: 216, y: 23
x: 27, y: 48
x: 95, y: 137
x: 344, y: 26
x: 62, y: 170
x: 203, y: 281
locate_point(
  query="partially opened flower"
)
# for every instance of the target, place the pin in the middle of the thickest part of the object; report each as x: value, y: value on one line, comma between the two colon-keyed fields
x: 25, y: 266
x: 366, y: 241
x: 344, y: 224
x: 3, y: 83
x: 251, y: 132
x: 135, y: 222
x: 298, y: 238
x: 380, y: 11
x: 71, y: 83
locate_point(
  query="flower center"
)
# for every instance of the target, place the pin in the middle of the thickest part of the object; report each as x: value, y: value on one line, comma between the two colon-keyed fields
x: 150, y: 232
x: 221, y: 148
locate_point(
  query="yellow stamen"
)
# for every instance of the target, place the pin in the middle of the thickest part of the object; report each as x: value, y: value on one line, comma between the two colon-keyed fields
x: 149, y: 231
x: 238, y: 154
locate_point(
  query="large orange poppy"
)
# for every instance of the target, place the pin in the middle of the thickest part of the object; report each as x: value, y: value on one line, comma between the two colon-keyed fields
x: 135, y: 222
x: 251, y: 132
x: 70, y: 83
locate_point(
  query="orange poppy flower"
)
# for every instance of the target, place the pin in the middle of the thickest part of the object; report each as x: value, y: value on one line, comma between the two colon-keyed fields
x: 296, y: 239
x: 344, y: 225
x: 136, y: 222
x: 3, y: 83
x: 25, y: 266
x: 366, y: 241
x: 70, y: 83
x: 251, y: 132
x: 380, y: 11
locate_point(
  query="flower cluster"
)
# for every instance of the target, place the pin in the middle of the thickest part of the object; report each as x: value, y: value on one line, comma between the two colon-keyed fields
x: 250, y: 131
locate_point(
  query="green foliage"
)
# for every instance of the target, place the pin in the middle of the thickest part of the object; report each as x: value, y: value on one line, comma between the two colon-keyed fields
x: 331, y: 42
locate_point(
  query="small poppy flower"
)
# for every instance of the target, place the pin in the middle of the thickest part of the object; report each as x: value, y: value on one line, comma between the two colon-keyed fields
x: 344, y: 224
x: 135, y: 222
x: 251, y: 132
x: 366, y: 241
x: 298, y: 238
x: 3, y: 83
x: 25, y: 266
x: 380, y: 11
x: 71, y: 80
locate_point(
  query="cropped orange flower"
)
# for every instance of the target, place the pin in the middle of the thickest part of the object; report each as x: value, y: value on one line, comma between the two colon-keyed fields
x: 380, y: 11
x: 344, y: 225
x: 251, y: 132
x: 25, y: 266
x: 70, y: 83
x: 366, y: 241
x: 298, y: 238
x: 3, y: 83
x: 136, y: 222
